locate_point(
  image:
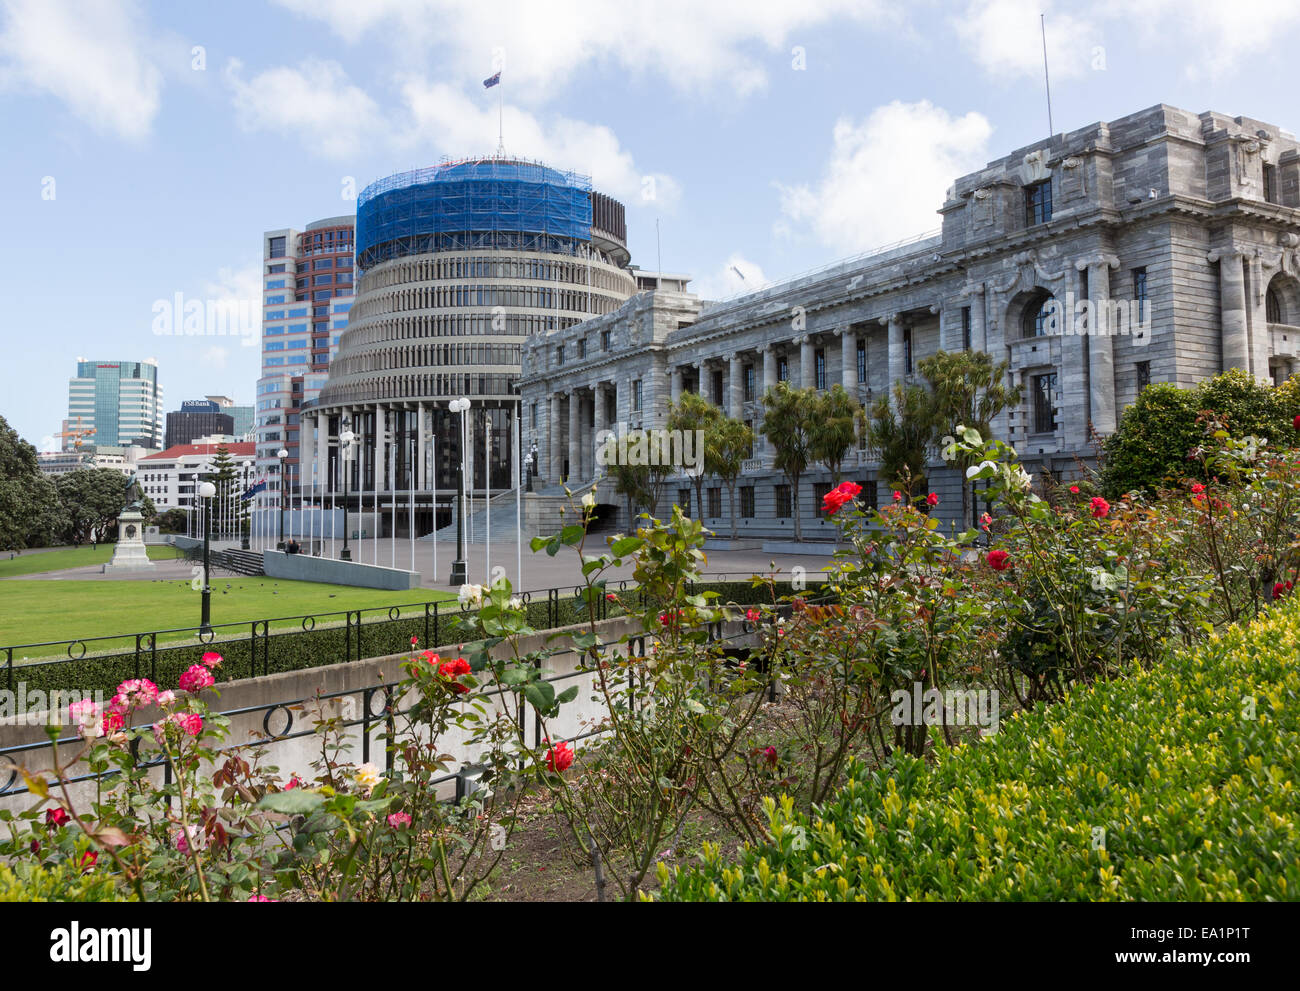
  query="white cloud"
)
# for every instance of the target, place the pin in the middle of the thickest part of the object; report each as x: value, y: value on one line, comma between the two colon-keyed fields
x: 692, y: 45
x: 90, y: 55
x: 443, y: 120
x: 216, y: 358
x: 237, y: 292
x: 1005, y: 37
x: 887, y: 175
x: 315, y: 100
x: 736, y: 275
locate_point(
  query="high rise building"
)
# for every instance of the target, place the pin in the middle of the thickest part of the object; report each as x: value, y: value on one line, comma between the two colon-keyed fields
x: 197, y: 418
x: 307, y: 292
x: 457, y: 266
x: 120, y: 400
x: 244, y: 416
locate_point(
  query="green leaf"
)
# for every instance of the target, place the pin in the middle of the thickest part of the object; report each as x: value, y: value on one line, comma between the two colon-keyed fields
x: 296, y: 801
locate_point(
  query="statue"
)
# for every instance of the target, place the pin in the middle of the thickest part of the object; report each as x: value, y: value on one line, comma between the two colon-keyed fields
x: 134, y: 495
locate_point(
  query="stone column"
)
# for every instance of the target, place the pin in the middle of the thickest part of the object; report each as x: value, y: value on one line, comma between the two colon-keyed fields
x: 600, y: 424
x: 1232, y: 307
x: 736, y: 388
x: 422, y: 443
x: 1075, y: 377
x: 380, y: 462
x: 1260, y: 340
x: 897, y: 366
x: 848, y: 360
x: 978, y: 328
x: 807, y: 370
x: 322, y: 449
x: 1101, y: 345
x: 555, y: 453
x: 575, y: 437
x: 769, y: 367
x: 677, y: 384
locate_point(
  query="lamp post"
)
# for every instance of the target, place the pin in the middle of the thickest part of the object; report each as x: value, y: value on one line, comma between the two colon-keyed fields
x: 459, y: 573
x: 206, y: 491
x: 530, y: 467
x: 281, y: 454
x: 346, y: 438
x: 243, y: 511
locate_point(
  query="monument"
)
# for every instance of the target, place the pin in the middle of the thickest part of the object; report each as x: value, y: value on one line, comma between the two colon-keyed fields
x: 130, y: 553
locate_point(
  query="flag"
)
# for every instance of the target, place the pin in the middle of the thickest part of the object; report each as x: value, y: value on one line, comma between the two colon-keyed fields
x: 252, y: 490
x: 492, y: 80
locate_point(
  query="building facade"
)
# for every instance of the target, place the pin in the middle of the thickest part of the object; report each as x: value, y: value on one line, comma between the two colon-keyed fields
x: 1161, y: 247
x: 169, y: 477
x: 458, y: 266
x: 244, y: 417
x: 196, y: 418
x: 307, y: 291
x: 120, y: 400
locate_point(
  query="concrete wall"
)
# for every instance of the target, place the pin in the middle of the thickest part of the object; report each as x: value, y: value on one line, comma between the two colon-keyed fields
x: 299, y: 688
x: 304, y: 567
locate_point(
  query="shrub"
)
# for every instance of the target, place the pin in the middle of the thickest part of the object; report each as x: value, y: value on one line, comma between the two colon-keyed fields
x: 1177, y: 783
x: 62, y: 882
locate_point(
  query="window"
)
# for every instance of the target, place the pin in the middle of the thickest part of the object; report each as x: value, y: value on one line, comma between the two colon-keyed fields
x: 1038, y: 203
x: 907, y: 350
x: 870, y: 494
x: 1040, y: 319
x: 717, y: 387
x: 559, y: 355
x: 684, y: 500
x: 1045, y: 403
x: 1143, y: 375
x: 862, y: 361
x: 749, y: 425
x: 782, y: 497
x: 1270, y: 183
x: 749, y: 382
x: 782, y: 368
x: 715, y: 503
x: 747, y: 502
x: 533, y: 415
x: 605, y: 340
x: 965, y: 328
x: 819, y: 493
x: 582, y: 347
x: 636, y: 396
x: 1272, y: 306
x: 1140, y: 291
x: 277, y: 247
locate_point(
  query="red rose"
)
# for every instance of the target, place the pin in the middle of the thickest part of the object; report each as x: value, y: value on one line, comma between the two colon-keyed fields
x: 88, y: 860
x: 451, y: 670
x: 897, y: 495
x: 932, y: 499
x: 1100, y: 508
x: 1198, y: 487
x: 611, y: 597
x: 850, y: 489
x: 999, y: 560
x: 1296, y: 423
x: 56, y: 817
x: 1074, y: 490
x: 753, y: 615
x: 1279, y: 590
x: 414, y: 641
x: 559, y: 757
x: 833, y: 500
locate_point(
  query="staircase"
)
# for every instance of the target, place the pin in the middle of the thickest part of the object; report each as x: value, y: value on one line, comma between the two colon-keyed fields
x: 502, y: 512
x: 239, y: 562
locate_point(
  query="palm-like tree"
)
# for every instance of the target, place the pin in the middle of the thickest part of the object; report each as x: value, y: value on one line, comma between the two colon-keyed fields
x: 788, y: 418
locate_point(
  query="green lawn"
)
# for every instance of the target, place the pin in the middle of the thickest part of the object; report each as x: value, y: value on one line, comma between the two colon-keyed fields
x: 44, y: 610
x: 34, y: 562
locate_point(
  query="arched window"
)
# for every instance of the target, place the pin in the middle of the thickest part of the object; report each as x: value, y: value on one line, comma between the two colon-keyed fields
x: 1273, y: 306
x: 1038, y: 318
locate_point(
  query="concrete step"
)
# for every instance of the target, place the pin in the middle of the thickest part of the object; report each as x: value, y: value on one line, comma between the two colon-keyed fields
x: 240, y: 562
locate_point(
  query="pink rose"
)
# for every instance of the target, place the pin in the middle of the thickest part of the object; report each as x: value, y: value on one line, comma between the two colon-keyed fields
x: 196, y: 679
x: 399, y: 820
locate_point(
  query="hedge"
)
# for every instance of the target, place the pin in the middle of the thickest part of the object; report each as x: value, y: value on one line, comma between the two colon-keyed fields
x: 247, y: 656
x: 61, y: 882
x: 1178, y: 783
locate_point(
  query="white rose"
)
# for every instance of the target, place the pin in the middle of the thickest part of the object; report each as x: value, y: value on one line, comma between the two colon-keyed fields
x: 589, y: 500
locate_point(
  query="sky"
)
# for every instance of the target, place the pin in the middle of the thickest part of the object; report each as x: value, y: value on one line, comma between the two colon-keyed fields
x: 145, y: 147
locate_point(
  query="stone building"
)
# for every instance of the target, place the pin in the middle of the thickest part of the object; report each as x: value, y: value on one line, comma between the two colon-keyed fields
x: 1161, y: 247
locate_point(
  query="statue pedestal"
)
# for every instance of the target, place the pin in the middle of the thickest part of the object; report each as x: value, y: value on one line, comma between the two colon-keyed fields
x: 130, y: 553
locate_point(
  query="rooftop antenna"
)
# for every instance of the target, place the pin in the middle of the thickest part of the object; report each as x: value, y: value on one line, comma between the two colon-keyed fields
x: 1047, y: 81
x: 659, y: 254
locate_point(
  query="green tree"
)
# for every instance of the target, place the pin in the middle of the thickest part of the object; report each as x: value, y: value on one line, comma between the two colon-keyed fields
x: 640, y: 484
x: 967, y: 389
x: 899, y: 434
x: 30, y: 512
x: 837, y: 417
x: 691, y: 413
x: 172, y: 521
x: 92, y: 499
x: 726, y: 446
x: 789, y: 416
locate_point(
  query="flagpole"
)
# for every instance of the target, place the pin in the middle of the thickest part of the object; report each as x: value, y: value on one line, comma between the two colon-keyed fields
x: 487, y: 496
x: 433, y: 441
x: 519, y: 495
x: 410, y: 513
x: 392, y: 488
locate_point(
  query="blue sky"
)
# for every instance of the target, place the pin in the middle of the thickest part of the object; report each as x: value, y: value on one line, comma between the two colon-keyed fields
x: 146, y: 146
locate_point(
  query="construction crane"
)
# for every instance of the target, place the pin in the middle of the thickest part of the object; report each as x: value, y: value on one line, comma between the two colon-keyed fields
x: 77, y: 433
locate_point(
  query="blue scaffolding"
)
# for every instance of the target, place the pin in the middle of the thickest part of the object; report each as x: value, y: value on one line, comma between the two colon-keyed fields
x: 488, y: 202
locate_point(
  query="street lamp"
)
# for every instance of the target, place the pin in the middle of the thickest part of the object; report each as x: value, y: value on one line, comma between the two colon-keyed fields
x: 243, y: 511
x: 459, y: 573
x: 346, y: 439
x: 206, y: 491
x: 281, y: 454
x: 530, y: 467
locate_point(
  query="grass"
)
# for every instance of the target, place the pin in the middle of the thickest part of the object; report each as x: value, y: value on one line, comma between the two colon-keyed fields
x: 42, y: 610
x: 35, y: 562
